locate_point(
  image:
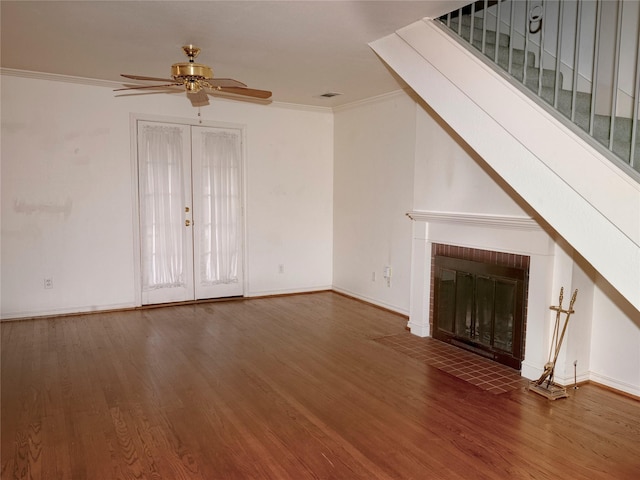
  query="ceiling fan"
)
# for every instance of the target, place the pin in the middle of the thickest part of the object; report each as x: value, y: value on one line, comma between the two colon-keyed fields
x: 198, y: 81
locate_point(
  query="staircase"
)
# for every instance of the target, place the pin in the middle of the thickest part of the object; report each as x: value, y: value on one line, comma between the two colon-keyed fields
x: 574, y: 105
x: 581, y: 185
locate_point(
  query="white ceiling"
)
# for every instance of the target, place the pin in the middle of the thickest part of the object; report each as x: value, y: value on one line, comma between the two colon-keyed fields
x: 297, y: 49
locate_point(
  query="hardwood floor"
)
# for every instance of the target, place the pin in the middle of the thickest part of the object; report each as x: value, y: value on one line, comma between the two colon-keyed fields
x: 280, y: 388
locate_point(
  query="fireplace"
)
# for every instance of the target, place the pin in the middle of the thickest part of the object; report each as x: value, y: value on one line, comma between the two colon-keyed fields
x: 479, y: 301
x: 508, y: 241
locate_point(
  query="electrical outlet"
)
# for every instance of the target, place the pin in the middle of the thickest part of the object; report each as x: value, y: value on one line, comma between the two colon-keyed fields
x: 281, y: 268
x: 373, y: 276
x: 48, y: 282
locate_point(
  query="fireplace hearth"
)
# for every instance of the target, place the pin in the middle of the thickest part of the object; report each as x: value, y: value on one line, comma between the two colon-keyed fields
x: 479, y: 301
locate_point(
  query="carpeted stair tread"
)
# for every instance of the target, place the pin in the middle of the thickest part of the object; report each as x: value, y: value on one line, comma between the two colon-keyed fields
x: 517, y: 55
x: 490, y: 35
x: 548, y: 77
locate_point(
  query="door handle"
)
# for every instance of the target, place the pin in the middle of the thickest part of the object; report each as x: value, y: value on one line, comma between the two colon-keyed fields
x: 187, y: 222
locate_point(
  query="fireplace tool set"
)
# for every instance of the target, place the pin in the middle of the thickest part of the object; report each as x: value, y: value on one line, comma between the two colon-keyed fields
x: 545, y: 385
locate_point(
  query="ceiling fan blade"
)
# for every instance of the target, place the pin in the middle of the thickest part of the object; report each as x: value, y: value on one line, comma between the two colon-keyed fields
x: 199, y: 99
x: 247, y: 92
x: 138, y: 77
x: 222, y: 82
x: 148, y: 86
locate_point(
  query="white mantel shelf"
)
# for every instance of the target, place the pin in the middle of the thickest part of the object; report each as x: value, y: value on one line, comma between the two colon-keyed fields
x: 492, y: 221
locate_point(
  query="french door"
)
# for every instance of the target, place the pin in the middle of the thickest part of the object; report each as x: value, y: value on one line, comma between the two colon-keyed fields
x: 190, y: 197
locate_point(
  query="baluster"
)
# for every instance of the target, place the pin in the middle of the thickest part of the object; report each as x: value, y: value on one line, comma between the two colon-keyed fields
x: 511, y: 29
x: 526, y: 43
x: 616, y: 74
x: 636, y: 93
x: 472, y: 23
x: 556, y: 90
x: 541, y: 50
x: 495, y: 58
x: 484, y: 26
x: 576, y: 61
x: 594, y: 74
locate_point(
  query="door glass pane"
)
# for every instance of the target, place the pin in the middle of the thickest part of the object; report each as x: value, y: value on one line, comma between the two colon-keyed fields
x: 220, y: 207
x: 505, y: 309
x: 484, y: 310
x: 161, y: 203
x: 464, y: 304
x: 446, y: 300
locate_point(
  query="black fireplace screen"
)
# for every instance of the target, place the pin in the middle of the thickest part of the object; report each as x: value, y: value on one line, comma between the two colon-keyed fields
x: 480, y: 307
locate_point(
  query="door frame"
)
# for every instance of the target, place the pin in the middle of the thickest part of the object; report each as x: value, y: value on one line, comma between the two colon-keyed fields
x: 133, y: 135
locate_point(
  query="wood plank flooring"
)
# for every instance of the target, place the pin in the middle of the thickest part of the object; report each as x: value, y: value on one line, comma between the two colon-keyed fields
x: 289, y: 387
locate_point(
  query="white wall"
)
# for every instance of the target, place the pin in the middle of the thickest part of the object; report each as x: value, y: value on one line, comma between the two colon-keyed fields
x: 615, y: 340
x: 68, y: 210
x: 373, y: 190
x: 451, y: 177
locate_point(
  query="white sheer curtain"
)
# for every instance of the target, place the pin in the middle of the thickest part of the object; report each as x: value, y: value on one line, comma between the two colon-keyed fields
x: 161, y: 205
x: 220, y: 227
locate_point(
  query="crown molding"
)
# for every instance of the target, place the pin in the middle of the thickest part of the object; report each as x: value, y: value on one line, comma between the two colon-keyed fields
x: 300, y: 106
x: 474, y: 219
x: 54, y: 77
x: 372, y: 100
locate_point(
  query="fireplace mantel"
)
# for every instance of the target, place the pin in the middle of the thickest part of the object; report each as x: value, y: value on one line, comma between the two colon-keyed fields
x: 489, y: 221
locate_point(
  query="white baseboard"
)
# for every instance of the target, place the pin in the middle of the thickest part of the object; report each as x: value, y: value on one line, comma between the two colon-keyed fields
x: 10, y: 316
x: 570, y: 381
x: 533, y: 373
x: 287, y: 291
x: 419, y: 329
x: 373, y: 301
x: 615, y: 384
x: 530, y: 372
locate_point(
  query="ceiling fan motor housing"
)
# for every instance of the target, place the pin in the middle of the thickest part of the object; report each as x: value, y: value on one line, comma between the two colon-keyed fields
x: 182, y: 71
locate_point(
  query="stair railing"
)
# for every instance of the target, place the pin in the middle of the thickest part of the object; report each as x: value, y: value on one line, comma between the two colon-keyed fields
x: 580, y: 56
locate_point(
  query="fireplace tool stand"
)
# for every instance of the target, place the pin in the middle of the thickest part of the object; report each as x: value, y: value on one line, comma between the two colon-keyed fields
x: 545, y: 385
